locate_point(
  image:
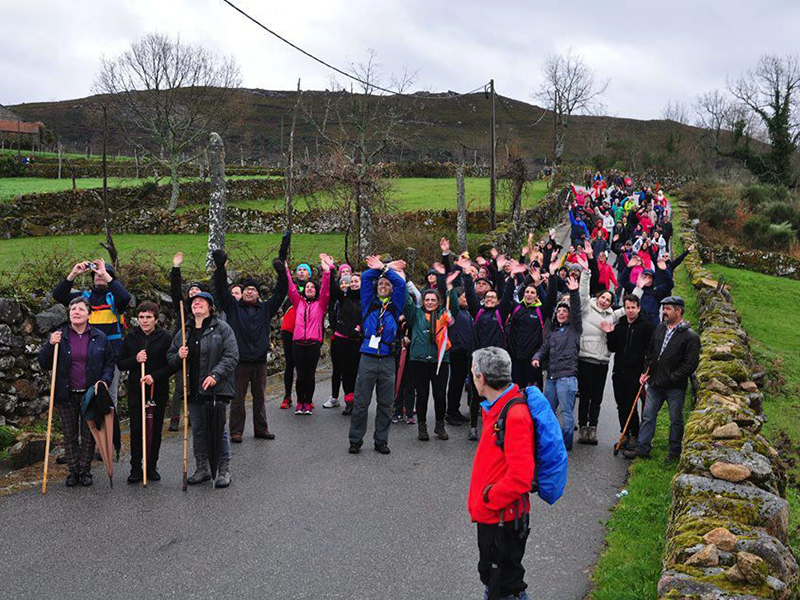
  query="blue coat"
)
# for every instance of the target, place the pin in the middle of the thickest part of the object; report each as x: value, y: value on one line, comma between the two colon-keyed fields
x: 385, y: 326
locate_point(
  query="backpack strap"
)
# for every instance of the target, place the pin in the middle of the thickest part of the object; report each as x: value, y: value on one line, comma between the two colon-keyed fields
x: 500, y: 424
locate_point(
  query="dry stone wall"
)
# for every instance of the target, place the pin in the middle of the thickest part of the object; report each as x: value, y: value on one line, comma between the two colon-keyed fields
x: 728, y: 521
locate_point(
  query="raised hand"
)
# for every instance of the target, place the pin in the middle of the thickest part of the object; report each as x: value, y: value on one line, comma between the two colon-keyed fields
x: 219, y: 257
x: 501, y: 260
x: 480, y: 260
x: 642, y: 280
x: 177, y: 260
x: 444, y: 244
x: 451, y: 278
x: 374, y: 262
x: 78, y: 269
x: 438, y: 267
x: 572, y: 283
x: 327, y: 262
x: 607, y: 326
x: 582, y: 261
x: 397, y: 265
x: 464, y: 263
x: 587, y: 247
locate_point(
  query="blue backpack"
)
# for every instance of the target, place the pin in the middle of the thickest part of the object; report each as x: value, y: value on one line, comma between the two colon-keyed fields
x: 549, y: 452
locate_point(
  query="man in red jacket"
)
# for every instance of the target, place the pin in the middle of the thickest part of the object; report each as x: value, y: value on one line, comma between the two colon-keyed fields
x: 501, y: 478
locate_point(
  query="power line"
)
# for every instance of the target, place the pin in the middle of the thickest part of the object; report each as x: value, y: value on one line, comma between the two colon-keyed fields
x: 330, y: 66
x: 505, y: 108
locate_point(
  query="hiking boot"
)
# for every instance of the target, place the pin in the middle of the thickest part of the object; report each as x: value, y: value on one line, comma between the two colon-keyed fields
x: 583, y: 435
x: 473, y: 434
x: 72, y: 480
x: 223, y: 479
x: 635, y: 453
x: 591, y: 436
x: 422, y: 432
x: 355, y: 447
x: 382, y: 448
x: 628, y: 443
x: 454, y: 421
x: 153, y: 475
x: 174, y: 423
x: 287, y: 402
x: 264, y: 435
x: 672, y: 459
x: 136, y: 475
x: 440, y: 431
x: 86, y: 479
x: 201, y: 475
x: 236, y: 438
x: 299, y: 410
x: 348, y: 408
x: 331, y: 403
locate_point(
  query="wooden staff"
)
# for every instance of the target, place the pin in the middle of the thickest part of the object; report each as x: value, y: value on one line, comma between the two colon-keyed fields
x: 185, y: 406
x: 50, y: 417
x: 144, y: 432
x: 618, y: 445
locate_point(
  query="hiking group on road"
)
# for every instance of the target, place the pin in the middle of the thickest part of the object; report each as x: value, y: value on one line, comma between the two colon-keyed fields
x: 504, y: 332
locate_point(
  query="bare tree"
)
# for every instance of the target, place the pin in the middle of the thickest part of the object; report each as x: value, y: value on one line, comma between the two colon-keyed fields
x: 165, y: 97
x: 361, y: 125
x: 675, y: 111
x: 762, y: 105
x: 569, y: 87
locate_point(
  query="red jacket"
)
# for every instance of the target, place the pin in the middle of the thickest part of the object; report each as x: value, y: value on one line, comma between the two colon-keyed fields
x: 507, y: 474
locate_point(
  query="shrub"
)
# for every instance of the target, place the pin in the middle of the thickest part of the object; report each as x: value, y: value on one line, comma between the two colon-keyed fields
x: 782, y: 212
x: 756, y: 228
x: 770, y: 236
x: 757, y: 195
x: 8, y: 436
x: 718, y: 212
x: 779, y: 237
x: 9, y: 166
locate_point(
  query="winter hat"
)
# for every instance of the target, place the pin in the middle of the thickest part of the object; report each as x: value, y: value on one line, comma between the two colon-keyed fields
x: 342, y: 267
x: 575, y: 267
x: 649, y: 272
x: 487, y: 280
x: 205, y: 296
x: 111, y: 270
x: 250, y: 282
x: 304, y: 266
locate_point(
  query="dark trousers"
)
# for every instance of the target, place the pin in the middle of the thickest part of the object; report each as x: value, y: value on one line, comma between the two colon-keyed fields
x: 406, y: 394
x: 459, y: 371
x: 625, y: 389
x: 500, y: 550
x: 253, y: 374
x: 474, y: 404
x: 288, y: 372
x: 135, y: 412
x: 306, y: 357
x: 591, y: 383
x: 344, y: 357
x: 425, y: 378
x: 523, y: 373
x: 374, y: 373
x: 78, y: 440
x: 176, y: 406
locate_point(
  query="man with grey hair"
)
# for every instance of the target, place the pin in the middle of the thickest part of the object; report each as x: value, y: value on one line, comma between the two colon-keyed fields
x: 501, y: 478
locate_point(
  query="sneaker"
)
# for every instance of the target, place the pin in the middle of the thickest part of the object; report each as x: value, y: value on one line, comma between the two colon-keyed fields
x: 174, y: 423
x: 308, y: 408
x: 410, y: 420
x: 287, y: 402
x: 236, y: 438
x: 264, y: 436
x: 310, y: 404
x: 382, y: 448
x: 473, y: 434
x: 331, y: 403
x: 348, y: 409
x: 591, y: 436
x: 396, y: 418
x: 355, y: 447
x: 299, y: 409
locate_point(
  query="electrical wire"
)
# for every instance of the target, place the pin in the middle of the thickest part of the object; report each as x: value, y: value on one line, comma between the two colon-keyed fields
x: 336, y: 69
x: 505, y: 108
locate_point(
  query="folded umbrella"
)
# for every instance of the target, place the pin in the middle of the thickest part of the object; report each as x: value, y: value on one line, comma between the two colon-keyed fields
x: 150, y: 410
x: 98, y: 412
x: 215, y: 428
x: 400, y: 368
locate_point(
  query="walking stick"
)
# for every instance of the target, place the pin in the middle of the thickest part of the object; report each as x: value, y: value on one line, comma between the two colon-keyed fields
x: 185, y: 404
x: 630, y: 416
x: 144, y: 433
x: 50, y: 418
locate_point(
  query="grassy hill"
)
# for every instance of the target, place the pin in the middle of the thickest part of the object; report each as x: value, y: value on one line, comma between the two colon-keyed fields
x: 435, y: 127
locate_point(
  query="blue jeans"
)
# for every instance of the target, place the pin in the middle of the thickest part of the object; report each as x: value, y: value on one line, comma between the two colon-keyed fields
x: 653, y: 403
x: 560, y: 393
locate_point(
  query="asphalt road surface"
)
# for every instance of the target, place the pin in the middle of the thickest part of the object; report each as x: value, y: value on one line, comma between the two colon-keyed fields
x: 302, y: 519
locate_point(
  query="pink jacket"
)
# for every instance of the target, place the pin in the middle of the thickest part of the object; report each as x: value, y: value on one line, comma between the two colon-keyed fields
x: 308, y: 324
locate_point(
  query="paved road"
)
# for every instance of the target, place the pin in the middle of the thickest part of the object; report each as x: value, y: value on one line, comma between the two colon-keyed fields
x: 303, y: 519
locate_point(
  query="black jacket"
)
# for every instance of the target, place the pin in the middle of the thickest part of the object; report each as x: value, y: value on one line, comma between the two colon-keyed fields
x: 525, y: 327
x: 488, y: 327
x: 99, y: 364
x: 679, y: 359
x: 250, y: 322
x: 629, y: 342
x: 347, y: 312
x: 157, y: 345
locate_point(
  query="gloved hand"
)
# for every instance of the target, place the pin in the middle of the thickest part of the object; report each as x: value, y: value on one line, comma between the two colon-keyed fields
x: 283, y: 252
x: 279, y: 266
x: 219, y: 257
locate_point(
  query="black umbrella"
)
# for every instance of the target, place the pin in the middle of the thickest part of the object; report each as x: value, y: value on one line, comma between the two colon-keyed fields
x: 215, y: 427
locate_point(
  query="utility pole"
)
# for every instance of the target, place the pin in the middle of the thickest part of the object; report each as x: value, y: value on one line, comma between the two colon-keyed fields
x: 493, y: 180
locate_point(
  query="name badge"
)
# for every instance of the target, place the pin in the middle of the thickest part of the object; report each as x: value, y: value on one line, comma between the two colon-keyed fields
x: 374, y: 342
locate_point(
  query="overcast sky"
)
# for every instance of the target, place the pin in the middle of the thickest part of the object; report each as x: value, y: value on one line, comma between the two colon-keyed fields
x: 651, y: 51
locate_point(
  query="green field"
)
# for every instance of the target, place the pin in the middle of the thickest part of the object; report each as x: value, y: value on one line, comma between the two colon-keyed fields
x: 11, y: 187
x: 769, y: 309
x: 630, y: 565
x: 65, y: 155
x: 412, y: 194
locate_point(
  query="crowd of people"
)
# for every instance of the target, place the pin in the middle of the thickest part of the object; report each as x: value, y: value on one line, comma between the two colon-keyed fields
x: 552, y: 317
